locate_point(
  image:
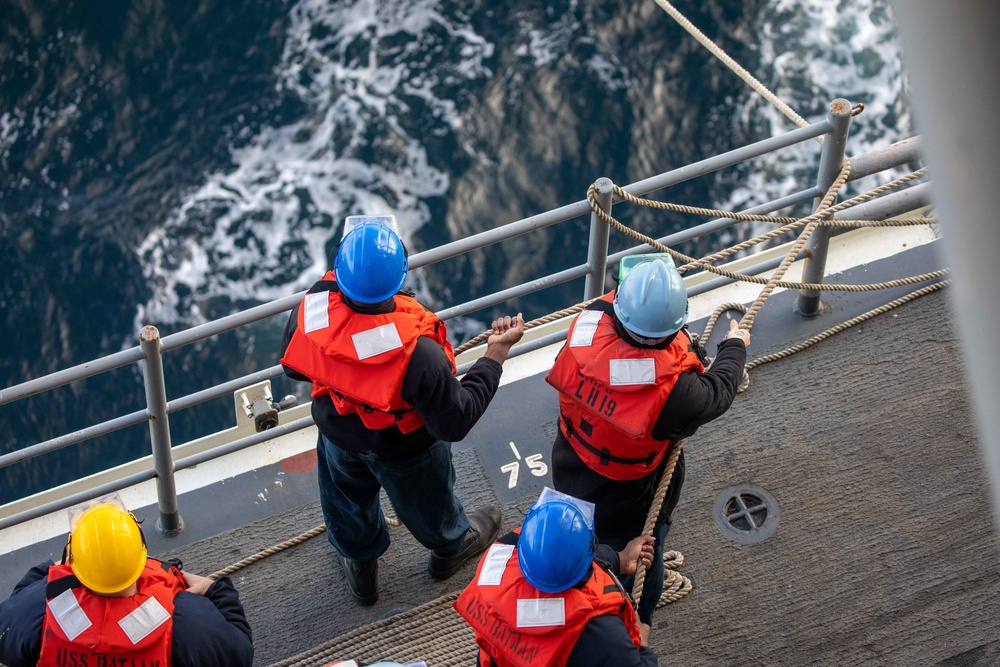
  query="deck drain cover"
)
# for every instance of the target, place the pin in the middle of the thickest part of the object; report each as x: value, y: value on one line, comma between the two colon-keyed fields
x: 746, y: 513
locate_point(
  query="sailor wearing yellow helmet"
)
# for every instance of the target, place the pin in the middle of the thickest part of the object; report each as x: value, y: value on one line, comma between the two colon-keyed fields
x: 107, y: 603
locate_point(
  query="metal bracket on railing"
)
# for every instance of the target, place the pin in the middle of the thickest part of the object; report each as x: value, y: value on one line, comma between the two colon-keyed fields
x: 256, y: 409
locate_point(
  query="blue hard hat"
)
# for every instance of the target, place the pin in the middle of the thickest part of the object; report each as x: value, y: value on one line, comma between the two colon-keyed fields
x: 371, y: 263
x: 556, y: 547
x: 652, y: 300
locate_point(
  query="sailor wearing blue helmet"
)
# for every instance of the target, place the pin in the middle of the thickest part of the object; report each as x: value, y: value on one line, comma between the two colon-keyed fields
x: 387, y: 405
x: 548, y: 594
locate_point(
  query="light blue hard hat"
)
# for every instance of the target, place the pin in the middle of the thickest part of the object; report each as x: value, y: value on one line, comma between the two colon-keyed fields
x: 371, y: 263
x: 556, y: 547
x: 652, y: 300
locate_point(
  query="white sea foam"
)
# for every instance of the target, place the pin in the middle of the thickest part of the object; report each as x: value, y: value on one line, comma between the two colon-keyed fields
x: 260, y: 230
x: 812, y: 52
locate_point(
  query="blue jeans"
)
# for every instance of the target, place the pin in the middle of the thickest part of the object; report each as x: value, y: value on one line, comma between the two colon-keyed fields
x: 652, y: 586
x: 421, y: 489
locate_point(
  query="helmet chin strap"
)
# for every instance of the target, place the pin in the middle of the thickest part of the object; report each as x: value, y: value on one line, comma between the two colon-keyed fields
x: 643, y: 340
x: 380, y: 308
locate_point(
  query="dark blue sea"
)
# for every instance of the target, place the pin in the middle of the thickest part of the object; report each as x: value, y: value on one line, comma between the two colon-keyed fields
x: 170, y: 162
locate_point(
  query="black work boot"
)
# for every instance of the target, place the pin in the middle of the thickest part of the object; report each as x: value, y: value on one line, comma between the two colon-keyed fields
x: 484, y: 526
x: 362, y: 579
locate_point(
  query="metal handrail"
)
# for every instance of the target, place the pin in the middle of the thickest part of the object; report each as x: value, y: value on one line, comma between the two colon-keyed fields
x: 872, y: 162
x: 431, y: 256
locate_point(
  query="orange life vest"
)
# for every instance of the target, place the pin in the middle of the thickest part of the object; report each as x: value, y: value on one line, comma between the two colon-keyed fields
x: 84, y: 629
x: 360, y: 359
x: 517, y: 625
x: 611, y: 393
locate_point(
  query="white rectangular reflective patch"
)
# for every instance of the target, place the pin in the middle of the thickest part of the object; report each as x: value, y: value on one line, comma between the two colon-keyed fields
x: 495, y: 564
x: 543, y: 612
x: 376, y: 341
x: 69, y: 614
x: 586, y: 327
x: 317, y: 314
x: 632, y: 371
x: 144, y: 619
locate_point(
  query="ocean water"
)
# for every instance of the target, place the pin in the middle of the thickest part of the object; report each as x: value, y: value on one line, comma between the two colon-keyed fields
x: 169, y: 163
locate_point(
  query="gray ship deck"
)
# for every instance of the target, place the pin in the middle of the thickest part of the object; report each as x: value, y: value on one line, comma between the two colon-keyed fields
x: 885, y: 552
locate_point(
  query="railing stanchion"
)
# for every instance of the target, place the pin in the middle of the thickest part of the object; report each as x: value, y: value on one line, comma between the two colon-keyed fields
x: 831, y: 161
x: 169, y: 523
x: 597, y: 248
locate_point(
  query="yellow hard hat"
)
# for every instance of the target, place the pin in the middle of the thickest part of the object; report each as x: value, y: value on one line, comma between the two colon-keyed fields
x: 106, y: 551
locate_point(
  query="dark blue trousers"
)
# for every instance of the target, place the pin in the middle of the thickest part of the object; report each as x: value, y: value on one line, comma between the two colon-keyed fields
x: 422, y: 489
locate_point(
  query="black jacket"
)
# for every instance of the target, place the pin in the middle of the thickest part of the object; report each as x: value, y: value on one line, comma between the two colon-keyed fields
x: 449, y: 407
x: 695, y: 400
x: 604, y: 640
x: 209, y: 630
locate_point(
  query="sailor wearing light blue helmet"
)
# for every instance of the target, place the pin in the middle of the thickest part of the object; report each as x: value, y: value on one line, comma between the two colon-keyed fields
x: 654, y: 304
x: 631, y: 384
x: 548, y: 594
x: 387, y: 406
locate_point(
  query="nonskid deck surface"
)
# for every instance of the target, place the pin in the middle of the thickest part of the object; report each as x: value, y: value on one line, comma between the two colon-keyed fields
x: 884, y: 552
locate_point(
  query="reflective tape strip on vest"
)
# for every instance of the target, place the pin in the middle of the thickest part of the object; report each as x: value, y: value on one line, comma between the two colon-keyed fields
x: 358, y: 359
x: 611, y: 393
x: 85, y: 629
x: 517, y: 625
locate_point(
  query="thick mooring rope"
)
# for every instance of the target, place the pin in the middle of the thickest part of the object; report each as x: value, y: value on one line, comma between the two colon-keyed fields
x: 651, y: 518
x: 545, y: 319
x: 809, y: 342
x: 717, y: 51
x: 264, y: 553
x: 690, y: 263
x: 824, y: 212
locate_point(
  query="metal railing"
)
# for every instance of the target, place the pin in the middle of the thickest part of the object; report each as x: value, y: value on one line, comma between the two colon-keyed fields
x: 148, y: 353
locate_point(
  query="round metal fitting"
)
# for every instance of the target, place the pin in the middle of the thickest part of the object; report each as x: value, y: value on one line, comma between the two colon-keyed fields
x: 746, y: 513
